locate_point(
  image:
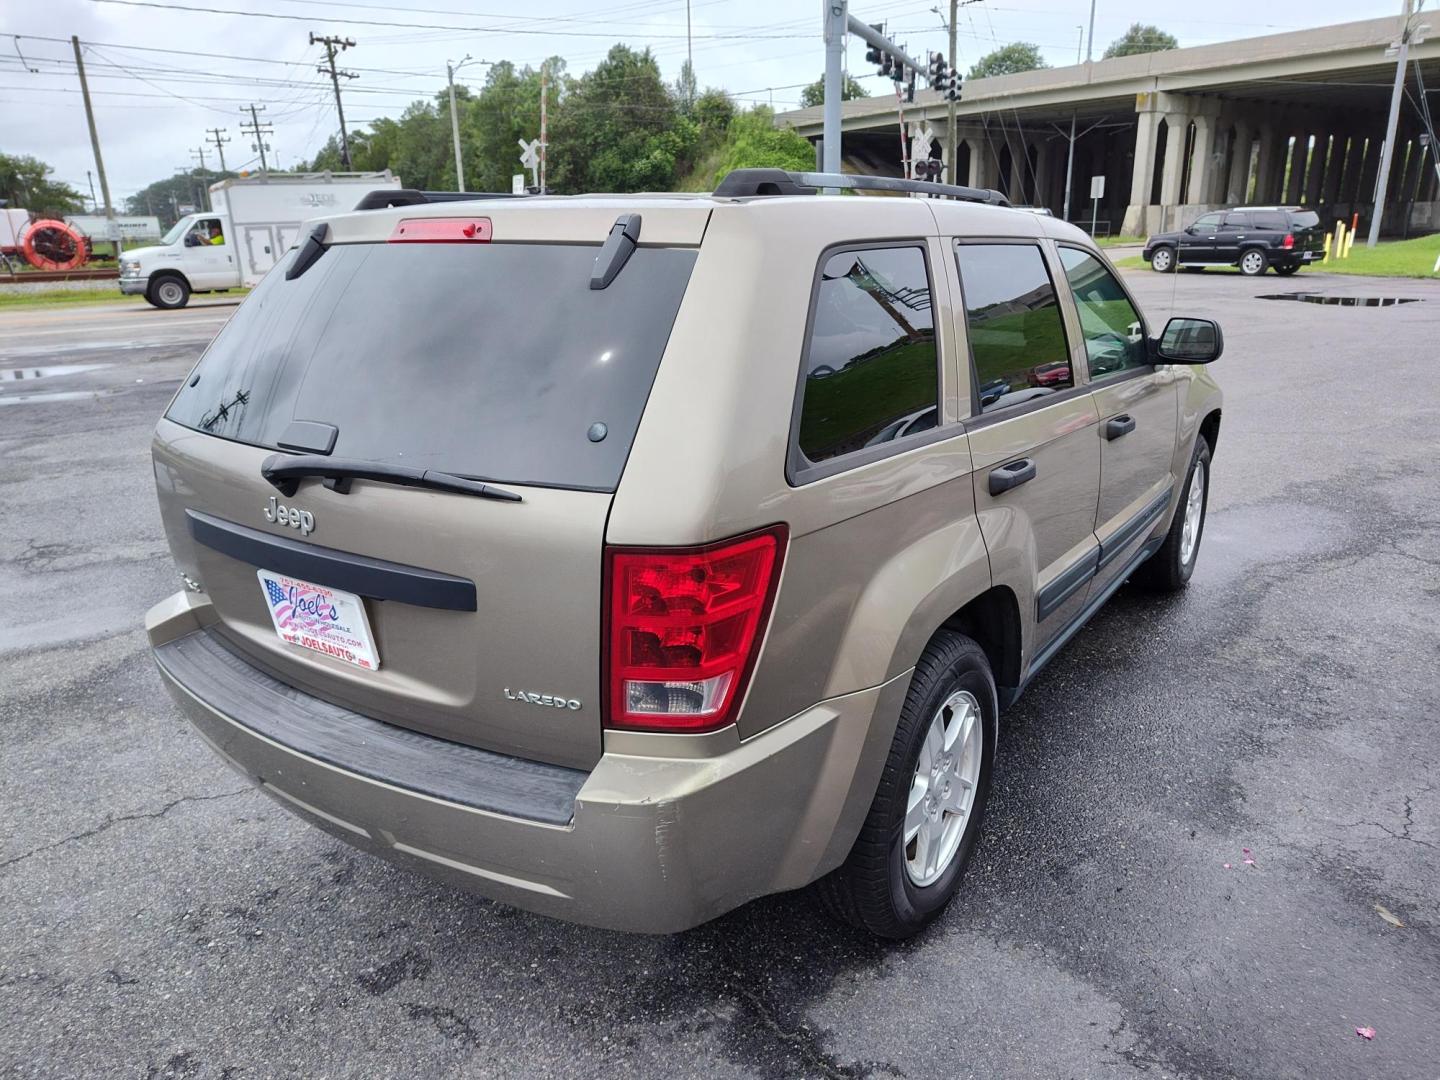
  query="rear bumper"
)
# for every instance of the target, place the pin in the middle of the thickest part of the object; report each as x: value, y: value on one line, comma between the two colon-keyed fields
x: 649, y: 842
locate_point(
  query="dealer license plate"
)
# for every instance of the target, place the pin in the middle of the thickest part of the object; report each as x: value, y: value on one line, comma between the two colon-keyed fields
x: 329, y: 621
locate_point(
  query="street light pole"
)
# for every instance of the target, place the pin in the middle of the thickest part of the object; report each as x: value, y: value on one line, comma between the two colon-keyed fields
x: 1387, y: 148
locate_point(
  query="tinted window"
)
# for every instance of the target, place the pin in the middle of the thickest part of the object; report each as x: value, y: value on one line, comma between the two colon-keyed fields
x: 1017, y: 341
x: 1207, y: 221
x: 487, y: 360
x: 1306, y: 219
x: 871, y: 375
x: 1237, y: 221
x: 1270, y: 220
x: 1113, y: 331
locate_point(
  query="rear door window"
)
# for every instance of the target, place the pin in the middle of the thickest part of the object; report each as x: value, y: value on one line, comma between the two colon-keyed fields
x: 494, y: 361
x: 1017, y: 339
x: 871, y: 369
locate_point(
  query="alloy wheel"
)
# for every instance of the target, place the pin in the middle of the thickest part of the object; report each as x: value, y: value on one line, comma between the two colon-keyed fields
x: 942, y: 791
x: 1194, y: 514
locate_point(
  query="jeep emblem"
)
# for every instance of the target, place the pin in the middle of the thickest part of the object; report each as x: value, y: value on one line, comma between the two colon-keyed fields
x: 303, y: 520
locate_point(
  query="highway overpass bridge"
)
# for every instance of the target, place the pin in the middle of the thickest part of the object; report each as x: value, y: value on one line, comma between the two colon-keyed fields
x: 1297, y: 117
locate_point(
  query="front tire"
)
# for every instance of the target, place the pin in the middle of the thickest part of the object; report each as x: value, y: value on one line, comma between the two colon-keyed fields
x: 1253, y: 262
x: 1162, y: 260
x: 169, y: 292
x: 911, y: 854
x: 1169, y: 569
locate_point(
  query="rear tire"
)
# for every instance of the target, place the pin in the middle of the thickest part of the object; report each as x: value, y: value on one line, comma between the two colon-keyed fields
x: 1253, y: 262
x: 1193, y: 269
x: 1162, y: 260
x: 169, y: 292
x: 936, y: 782
x: 1169, y: 569
x: 1286, y: 271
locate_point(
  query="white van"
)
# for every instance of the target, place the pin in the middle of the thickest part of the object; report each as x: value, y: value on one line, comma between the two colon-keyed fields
x: 254, y: 220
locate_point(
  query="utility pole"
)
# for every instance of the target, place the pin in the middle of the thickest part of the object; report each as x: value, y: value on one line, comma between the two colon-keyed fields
x: 90, y: 179
x: 952, y: 134
x: 1387, y: 149
x: 544, y: 117
x: 450, y: 70
x: 258, y: 131
x: 1090, y: 38
x: 328, y: 68
x: 95, y: 145
x: 689, y: 59
x: 215, y: 134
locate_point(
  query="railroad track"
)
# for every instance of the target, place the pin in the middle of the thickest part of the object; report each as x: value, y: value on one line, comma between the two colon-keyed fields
x: 92, y: 274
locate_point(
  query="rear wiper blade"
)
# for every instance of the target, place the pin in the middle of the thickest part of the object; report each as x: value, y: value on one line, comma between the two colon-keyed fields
x: 286, y: 471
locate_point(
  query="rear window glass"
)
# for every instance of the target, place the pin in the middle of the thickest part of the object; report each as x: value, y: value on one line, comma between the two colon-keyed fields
x: 491, y: 361
x: 1305, y: 219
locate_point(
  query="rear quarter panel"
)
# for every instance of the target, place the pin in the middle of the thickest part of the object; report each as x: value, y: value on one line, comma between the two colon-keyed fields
x: 880, y: 554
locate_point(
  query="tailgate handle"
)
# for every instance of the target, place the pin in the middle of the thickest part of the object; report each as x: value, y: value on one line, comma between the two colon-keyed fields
x: 1012, y: 475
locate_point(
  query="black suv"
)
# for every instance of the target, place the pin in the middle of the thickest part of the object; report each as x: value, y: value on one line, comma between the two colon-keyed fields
x: 1250, y: 237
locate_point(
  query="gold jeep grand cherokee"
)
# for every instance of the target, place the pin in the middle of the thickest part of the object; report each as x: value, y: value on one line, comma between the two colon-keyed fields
x: 628, y: 558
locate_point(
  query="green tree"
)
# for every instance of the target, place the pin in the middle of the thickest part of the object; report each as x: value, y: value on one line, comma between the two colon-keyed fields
x: 814, y: 94
x: 1141, y: 38
x: 26, y: 184
x: 1010, y: 59
x: 620, y: 128
x: 754, y: 142
x: 714, y: 110
x: 164, y: 198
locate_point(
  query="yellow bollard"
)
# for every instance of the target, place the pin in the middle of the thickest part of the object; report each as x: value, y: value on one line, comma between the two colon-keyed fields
x: 1349, y: 242
x: 1326, y: 257
x: 1339, y: 239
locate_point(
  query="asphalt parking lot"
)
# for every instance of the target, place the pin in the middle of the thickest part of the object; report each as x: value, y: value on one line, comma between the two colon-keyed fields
x: 161, y: 919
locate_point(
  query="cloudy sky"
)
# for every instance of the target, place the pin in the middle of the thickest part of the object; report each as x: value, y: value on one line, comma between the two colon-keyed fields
x: 163, y: 71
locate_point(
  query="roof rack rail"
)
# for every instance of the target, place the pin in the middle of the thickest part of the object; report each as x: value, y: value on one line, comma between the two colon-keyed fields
x: 741, y: 183
x: 387, y: 197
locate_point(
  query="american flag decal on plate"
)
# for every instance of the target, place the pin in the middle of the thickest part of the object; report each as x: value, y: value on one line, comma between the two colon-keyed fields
x: 329, y: 621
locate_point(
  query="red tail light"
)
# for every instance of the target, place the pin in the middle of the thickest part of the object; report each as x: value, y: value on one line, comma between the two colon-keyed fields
x: 683, y: 627
x: 441, y: 230
x: 1289, y: 241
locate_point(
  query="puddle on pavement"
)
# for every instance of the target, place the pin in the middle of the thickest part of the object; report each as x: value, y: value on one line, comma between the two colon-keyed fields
x: 55, y: 395
x: 1343, y: 301
x: 49, y: 372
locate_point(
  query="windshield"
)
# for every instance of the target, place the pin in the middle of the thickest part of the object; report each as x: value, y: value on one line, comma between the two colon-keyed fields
x: 491, y: 361
x: 176, y: 231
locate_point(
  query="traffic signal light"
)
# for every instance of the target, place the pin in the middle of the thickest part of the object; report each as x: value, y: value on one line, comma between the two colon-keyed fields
x: 937, y: 71
x: 910, y: 87
x: 952, y: 86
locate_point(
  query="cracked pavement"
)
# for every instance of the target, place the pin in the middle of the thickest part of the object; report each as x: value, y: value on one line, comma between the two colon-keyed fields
x: 165, y: 921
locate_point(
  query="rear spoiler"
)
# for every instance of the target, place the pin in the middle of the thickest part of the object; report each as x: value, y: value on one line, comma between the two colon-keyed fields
x: 387, y: 197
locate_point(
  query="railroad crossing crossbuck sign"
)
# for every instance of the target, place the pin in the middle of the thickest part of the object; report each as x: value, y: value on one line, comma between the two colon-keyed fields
x: 530, y: 159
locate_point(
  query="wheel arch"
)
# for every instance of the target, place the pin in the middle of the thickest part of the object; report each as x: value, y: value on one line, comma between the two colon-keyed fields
x: 992, y: 621
x: 1210, y: 429
x: 157, y: 276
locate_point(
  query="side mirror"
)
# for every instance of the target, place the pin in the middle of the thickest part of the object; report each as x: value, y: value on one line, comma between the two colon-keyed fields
x: 1189, y: 341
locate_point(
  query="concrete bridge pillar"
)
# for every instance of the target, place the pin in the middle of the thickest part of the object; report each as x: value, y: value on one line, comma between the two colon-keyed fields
x: 1334, y: 169
x: 1350, y: 176
x: 1269, y: 165
x: 1294, y: 184
x: 1176, y: 137
x: 1237, y: 182
x: 1202, y: 161
x: 1319, y: 161
x: 1146, y: 135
